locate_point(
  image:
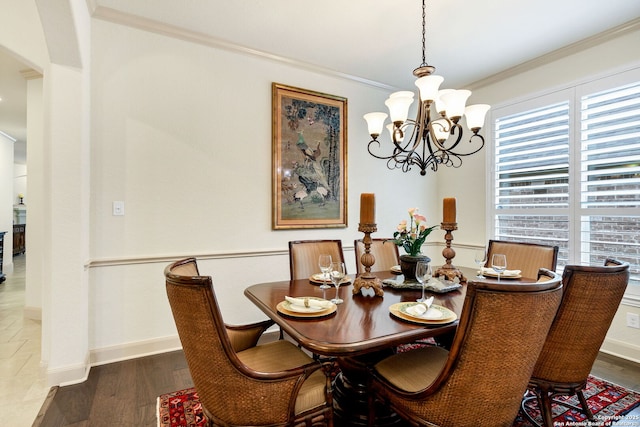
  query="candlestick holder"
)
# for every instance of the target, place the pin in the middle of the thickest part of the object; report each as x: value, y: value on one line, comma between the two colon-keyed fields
x: 449, y: 270
x: 366, y: 283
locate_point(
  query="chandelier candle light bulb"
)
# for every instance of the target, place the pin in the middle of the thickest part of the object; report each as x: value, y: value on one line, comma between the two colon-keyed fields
x: 475, y: 116
x: 428, y: 86
x: 375, y: 122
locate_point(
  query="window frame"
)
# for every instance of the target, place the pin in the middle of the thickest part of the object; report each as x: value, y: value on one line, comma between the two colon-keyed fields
x: 571, y: 93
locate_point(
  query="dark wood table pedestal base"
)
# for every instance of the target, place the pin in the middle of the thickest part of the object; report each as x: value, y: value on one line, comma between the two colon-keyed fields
x: 351, y: 395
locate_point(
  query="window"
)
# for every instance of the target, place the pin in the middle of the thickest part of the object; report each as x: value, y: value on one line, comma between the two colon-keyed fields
x: 567, y: 173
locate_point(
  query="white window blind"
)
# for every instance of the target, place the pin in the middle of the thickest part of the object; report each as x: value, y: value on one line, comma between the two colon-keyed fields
x: 532, y: 158
x: 610, y: 176
x: 532, y: 176
x: 567, y: 173
x: 610, y: 146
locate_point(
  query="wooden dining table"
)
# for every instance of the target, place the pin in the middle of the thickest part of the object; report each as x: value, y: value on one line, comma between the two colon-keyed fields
x: 361, y: 331
x: 360, y: 325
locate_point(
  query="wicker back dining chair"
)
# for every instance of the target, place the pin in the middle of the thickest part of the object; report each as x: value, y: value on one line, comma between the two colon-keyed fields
x: 240, y: 383
x: 523, y: 256
x: 385, y: 253
x: 481, y: 380
x: 304, y: 254
x: 590, y: 300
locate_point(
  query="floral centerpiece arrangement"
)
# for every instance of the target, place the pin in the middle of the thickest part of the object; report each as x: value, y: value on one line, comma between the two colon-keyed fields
x: 411, y: 235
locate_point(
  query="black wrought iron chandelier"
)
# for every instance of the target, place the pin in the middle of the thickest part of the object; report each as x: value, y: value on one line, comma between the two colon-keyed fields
x: 432, y: 141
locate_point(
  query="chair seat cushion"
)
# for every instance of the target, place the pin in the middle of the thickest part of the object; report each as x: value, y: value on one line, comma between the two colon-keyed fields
x: 282, y: 355
x: 413, y: 370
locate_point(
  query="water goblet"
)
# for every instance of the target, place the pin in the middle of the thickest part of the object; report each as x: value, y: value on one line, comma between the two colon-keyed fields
x: 499, y: 264
x: 481, y: 260
x: 324, y: 262
x: 423, y: 275
x: 337, y: 274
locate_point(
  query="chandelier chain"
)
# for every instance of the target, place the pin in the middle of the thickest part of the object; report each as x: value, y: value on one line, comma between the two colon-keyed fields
x: 424, y: 31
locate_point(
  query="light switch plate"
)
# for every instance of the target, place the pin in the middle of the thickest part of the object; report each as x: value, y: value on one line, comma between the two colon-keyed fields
x: 118, y: 208
x: 633, y: 320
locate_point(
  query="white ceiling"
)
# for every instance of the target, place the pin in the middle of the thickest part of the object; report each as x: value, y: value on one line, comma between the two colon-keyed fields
x: 377, y: 40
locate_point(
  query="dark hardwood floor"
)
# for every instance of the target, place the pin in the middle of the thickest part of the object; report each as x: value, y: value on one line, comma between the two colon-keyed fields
x: 117, y: 394
x: 125, y: 393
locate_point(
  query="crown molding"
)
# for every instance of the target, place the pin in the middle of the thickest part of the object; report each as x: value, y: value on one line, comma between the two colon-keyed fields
x: 584, y: 44
x: 157, y: 27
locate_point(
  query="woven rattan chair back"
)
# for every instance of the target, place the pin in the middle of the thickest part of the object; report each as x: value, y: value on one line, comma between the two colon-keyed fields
x: 304, y: 254
x: 526, y: 257
x: 385, y: 253
x: 501, y: 332
x: 231, y: 393
x: 590, y: 300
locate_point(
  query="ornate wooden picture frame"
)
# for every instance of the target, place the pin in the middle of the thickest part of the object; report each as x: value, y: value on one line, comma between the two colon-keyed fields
x: 309, y: 182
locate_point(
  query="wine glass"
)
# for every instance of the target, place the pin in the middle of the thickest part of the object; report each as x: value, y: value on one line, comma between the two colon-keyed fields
x: 423, y: 275
x: 499, y: 263
x: 324, y: 262
x: 337, y: 274
x: 481, y: 260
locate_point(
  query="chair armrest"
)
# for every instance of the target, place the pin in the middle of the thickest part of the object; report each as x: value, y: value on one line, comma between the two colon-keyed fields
x: 243, y: 337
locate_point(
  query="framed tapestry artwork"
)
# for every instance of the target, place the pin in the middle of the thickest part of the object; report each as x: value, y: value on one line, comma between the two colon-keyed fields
x: 309, y: 159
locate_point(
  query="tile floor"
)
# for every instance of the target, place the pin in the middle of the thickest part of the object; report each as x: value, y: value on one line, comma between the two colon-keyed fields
x: 23, y: 386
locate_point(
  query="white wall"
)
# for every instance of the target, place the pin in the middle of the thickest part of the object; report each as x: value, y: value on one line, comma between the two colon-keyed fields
x: 35, y: 274
x: 21, y: 32
x: 20, y: 36
x: 6, y: 204
x: 181, y: 133
x: 19, y: 182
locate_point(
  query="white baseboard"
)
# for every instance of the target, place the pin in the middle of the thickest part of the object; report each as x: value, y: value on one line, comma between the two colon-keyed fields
x: 69, y: 375
x: 118, y: 353
x: 621, y: 349
x: 134, y: 350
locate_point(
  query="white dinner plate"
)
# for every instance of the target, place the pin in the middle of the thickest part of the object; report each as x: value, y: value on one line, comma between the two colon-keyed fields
x: 285, y: 307
x: 400, y: 310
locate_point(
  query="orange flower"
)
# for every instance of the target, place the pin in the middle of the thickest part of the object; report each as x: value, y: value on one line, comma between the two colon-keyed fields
x: 412, y: 235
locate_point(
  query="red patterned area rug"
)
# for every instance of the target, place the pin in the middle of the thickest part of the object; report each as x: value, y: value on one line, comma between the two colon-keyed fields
x: 609, y: 402
x: 180, y: 409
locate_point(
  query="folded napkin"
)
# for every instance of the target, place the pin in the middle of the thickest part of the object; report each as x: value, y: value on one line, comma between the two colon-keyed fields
x: 309, y: 302
x: 486, y: 270
x: 421, y: 311
x: 322, y: 276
